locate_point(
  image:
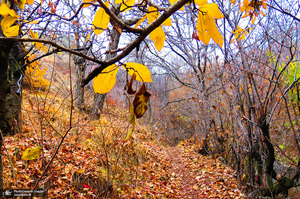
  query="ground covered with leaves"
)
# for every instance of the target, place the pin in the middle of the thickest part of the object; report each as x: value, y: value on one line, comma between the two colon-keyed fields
x: 93, y: 160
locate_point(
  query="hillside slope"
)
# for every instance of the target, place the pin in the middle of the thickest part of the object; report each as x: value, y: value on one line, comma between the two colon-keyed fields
x: 93, y: 160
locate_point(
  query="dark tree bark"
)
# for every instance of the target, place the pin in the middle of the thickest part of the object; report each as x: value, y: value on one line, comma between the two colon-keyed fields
x: 13, y: 115
x: 4, y: 91
x: 80, y: 66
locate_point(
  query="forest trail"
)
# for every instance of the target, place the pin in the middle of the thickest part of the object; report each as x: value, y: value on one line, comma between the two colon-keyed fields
x: 196, y: 176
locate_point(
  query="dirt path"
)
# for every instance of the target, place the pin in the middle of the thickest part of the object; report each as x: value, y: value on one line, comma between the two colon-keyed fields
x: 195, y: 176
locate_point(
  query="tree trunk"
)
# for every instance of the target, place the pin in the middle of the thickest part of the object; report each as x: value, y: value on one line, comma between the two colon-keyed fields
x: 100, y: 98
x: 5, y: 47
x: 14, y: 98
x: 80, y: 66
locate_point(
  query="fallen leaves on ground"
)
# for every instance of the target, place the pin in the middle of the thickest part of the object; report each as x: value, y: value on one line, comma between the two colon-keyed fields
x: 96, y: 161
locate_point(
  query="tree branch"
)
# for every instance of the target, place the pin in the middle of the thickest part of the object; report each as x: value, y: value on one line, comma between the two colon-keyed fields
x: 137, y: 41
x: 61, y: 48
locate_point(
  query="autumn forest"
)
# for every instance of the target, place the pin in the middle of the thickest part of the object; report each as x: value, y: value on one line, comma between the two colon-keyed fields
x: 149, y: 99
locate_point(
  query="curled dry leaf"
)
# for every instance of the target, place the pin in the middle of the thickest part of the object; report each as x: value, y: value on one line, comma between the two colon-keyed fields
x: 140, y: 101
x: 130, y: 90
x: 131, y: 120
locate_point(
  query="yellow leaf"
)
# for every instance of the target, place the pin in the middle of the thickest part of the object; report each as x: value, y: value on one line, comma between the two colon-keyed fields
x: 10, y: 30
x: 127, y: 5
x: 87, y: 1
x: 40, y: 46
x: 202, y: 33
x: 173, y: 1
x: 200, y: 2
x: 21, y: 4
x: 34, y: 22
x: 157, y: 35
x: 153, y: 12
x: 212, y: 29
x: 32, y: 153
x: 140, y: 21
x: 206, y: 25
x: 212, y: 10
x: 33, y: 35
x: 30, y: 2
x: 101, y: 20
x: 4, y: 10
x: 143, y: 73
x: 167, y: 22
x: 106, y: 80
x: 88, y: 38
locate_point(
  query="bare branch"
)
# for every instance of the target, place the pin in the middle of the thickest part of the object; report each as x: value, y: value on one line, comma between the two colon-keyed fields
x: 137, y: 41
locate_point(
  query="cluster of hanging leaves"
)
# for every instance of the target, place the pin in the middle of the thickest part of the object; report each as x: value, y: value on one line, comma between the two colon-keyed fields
x: 206, y: 25
x: 139, y: 105
x: 106, y: 80
x: 253, y: 8
x: 9, y: 23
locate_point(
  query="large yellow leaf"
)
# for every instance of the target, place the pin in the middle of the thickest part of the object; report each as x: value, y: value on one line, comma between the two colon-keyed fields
x: 212, y: 29
x: 5, y: 11
x: 142, y: 72
x: 206, y: 25
x: 9, y: 30
x: 106, y: 80
x: 157, y: 35
x: 202, y: 33
x: 32, y: 153
x: 212, y: 10
x: 101, y: 20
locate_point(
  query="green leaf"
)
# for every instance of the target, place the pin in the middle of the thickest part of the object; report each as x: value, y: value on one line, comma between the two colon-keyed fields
x: 143, y: 73
x: 106, y: 80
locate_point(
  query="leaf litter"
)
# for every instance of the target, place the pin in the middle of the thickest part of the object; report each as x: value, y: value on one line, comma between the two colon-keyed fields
x: 96, y: 161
